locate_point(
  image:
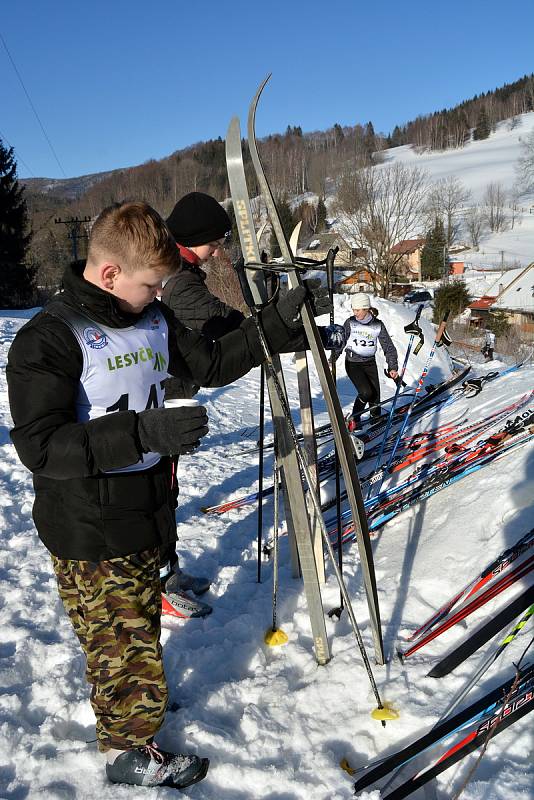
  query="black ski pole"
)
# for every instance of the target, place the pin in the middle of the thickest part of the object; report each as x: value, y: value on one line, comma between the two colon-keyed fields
x: 335, y: 612
x: 260, y: 468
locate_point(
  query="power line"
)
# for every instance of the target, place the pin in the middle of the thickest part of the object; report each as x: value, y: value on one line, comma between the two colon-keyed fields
x: 32, y: 106
x: 19, y: 159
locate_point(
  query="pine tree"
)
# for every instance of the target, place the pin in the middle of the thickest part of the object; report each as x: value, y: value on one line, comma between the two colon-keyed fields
x: 453, y: 297
x: 287, y: 222
x: 482, y: 130
x: 321, y: 215
x: 16, y: 277
x: 338, y: 133
x: 369, y: 140
x: 396, y: 139
x: 434, y: 258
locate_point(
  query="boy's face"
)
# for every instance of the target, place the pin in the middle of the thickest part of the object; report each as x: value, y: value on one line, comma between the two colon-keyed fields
x: 205, y: 251
x: 135, y: 290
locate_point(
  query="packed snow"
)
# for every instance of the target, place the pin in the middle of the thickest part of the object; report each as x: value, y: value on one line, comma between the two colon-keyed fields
x: 273, y: 723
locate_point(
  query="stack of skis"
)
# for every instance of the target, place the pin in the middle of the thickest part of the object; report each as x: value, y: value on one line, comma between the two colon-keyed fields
x: 440, y: 456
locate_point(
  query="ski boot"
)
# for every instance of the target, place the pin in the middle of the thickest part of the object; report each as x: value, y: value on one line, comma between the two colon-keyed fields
x: 353, y: 423
x: 149, y: 766
x: 176, y: 603
x: 184, y: 582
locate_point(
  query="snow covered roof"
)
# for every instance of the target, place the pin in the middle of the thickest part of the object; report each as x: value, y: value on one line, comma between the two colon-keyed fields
x: 323, y: 241
x: 518, y: 295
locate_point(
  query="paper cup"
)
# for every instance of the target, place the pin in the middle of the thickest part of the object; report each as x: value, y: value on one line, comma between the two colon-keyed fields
x: 181, y: 401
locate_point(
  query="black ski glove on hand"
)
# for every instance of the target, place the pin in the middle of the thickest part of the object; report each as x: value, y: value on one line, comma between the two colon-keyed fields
x: 289, y: 306
x: 172, y: 431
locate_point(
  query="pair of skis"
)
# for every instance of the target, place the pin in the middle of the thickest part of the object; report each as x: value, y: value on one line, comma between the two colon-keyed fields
x: 436, y: 475
x: 251, y: 254
x: 498, y: 573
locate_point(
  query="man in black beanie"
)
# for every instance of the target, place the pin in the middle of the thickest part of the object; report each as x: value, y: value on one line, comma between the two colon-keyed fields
x: 198, y: 219
x: 200, y: 226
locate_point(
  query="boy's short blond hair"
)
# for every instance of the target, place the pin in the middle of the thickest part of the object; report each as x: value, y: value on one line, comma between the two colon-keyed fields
x: 135, y: 236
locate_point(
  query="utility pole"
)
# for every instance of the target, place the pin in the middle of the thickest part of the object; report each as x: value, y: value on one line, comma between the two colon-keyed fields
x: 74, y: 228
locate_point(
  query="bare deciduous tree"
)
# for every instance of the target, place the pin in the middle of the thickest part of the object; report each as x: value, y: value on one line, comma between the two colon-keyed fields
x: 446, y: 200
x: 494, y: 202
x: 474, y: 223
x: 379, y: 207
x: 525, y: 163
x: 515, y: 194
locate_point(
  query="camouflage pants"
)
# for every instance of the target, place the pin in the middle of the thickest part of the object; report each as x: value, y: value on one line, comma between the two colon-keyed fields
x: 115, y: 608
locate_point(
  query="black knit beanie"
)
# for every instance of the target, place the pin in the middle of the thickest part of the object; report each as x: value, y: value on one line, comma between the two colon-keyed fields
x: 198, y: 219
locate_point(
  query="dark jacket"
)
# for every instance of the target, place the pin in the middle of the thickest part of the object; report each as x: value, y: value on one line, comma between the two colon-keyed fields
x: 192, y: 303
x: 79, y: 512
x: 197, y: 308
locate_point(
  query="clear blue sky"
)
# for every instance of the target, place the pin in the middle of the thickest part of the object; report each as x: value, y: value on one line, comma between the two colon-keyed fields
x: 119, y: 82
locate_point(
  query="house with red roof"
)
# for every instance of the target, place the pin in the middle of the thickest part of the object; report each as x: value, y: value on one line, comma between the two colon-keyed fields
x: 409, y: 265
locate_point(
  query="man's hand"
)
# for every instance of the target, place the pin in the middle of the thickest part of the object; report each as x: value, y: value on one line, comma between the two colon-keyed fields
x: 289, y: 306
x: 172, y: 431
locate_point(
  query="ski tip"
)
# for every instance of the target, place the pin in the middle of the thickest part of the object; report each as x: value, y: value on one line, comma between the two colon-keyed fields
x: 385, y: 712
x: 275, y: 638
x: 435, y: 673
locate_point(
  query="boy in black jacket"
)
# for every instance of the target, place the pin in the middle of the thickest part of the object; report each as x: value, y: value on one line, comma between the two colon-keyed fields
x: 85, y: 379
x: 200, y: 226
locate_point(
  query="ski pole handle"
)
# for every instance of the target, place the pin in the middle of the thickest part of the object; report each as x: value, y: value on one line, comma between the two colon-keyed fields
x: 239, y: 267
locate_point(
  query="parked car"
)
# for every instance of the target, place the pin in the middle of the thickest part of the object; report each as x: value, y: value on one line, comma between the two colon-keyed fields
x: 418, y: 297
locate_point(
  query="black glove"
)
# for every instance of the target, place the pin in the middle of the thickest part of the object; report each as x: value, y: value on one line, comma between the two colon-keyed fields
x: 172, y: 431
x: 289, y: 306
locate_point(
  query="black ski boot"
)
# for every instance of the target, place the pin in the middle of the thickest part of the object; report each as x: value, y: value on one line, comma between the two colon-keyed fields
x: 149, y: 766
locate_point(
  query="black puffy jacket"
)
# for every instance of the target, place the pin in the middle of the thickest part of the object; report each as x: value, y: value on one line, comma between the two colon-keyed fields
x: 81, y: 513
x: 197, y: 308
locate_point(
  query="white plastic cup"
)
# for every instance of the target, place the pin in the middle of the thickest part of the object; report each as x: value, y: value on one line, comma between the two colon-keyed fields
x: 177, y: 402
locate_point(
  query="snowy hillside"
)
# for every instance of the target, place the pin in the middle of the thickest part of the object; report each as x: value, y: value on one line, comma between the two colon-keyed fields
x: 478, y: 162
x: 476, y: 165
x: 273, y: 723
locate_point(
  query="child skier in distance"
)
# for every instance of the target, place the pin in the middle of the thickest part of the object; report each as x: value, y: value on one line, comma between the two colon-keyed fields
x: 489, y: 345
x: 362, y: 332
x: 85, y: 380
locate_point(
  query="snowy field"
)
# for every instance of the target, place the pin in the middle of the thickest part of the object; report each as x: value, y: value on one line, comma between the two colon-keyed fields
x: 273, y: 723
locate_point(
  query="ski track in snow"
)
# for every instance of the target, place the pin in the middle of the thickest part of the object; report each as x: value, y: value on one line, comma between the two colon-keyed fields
x: 273, y: 723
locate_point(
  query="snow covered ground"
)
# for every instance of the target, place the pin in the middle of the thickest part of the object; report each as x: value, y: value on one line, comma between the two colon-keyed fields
x: 273, y: 723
